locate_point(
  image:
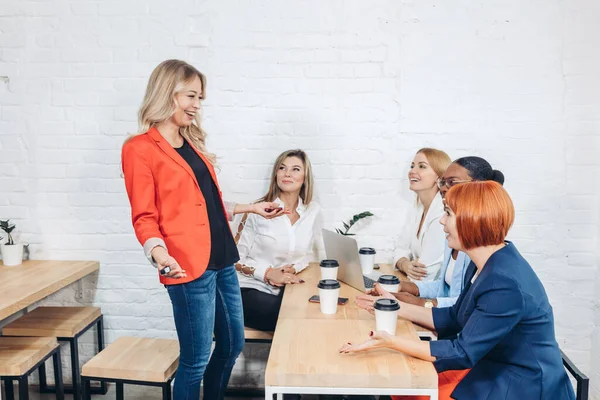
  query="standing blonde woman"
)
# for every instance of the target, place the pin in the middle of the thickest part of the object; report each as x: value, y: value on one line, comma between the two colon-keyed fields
x: 420, y: 252
x: 180, y: 219
x: 273, y: 251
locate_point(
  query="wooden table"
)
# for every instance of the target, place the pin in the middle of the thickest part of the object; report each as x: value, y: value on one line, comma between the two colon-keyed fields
x: 295, y: 301
x: 304, y: 356
x: 25, y: 284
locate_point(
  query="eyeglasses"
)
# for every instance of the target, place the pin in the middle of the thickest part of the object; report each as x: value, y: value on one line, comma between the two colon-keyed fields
x: 450, y: 182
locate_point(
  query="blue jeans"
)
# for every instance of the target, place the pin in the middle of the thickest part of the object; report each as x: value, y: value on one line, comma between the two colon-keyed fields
x: 211, y: 303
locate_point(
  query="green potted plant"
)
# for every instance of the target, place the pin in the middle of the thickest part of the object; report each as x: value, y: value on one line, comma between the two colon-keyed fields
x: 353, y: 221
x: 12, y: 253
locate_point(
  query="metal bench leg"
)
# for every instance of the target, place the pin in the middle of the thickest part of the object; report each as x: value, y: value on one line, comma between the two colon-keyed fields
x: 43, y: 382
x: 58, y: 376
x: 166, y: 391
x: 100, y: 332
x: 23, y: 388
x: 74, y: 343
x: 85, y: 389
x: 119, y: 390
x: 9, y: 389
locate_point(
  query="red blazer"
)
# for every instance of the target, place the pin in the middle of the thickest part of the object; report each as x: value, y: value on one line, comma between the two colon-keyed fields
x: 166, y: 201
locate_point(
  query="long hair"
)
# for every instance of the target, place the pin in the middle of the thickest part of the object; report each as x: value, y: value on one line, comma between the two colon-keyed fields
x: 306, y: 191
x: 438, y: 159
x: 167, y: 79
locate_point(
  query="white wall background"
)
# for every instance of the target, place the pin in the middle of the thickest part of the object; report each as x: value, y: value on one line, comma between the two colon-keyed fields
x: 359, y: 85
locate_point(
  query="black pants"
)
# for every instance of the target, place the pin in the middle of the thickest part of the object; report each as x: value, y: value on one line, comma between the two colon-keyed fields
x: 261, y: 309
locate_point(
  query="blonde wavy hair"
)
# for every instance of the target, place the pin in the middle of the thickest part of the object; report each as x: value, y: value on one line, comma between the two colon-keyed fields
x: 438, y: 159
x: 159, y: 104
x: 306, y: 191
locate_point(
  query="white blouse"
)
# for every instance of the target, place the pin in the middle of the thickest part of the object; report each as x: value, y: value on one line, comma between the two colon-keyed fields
x: 428, y: 247
x: 450, y: 271
x: 276, y: 242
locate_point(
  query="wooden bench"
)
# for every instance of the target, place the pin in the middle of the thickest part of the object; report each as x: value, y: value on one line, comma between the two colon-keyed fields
x: 143, y: 361
x: 137, y: 361
x: 256, y: 336
x: 20, y: 356
x: 66, y: 324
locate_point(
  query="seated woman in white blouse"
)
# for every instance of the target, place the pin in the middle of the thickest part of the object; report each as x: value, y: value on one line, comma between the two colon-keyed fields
x: 444, y: 291
x: 273, y: 251
x: 420, y: 251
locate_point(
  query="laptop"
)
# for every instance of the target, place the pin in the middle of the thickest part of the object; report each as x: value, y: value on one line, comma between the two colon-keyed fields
x: 344, y: 249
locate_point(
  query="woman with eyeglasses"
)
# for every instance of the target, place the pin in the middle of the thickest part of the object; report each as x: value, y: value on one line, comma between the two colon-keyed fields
x: 497, y: 342
x: 419, y: 252
x: 443, y: 291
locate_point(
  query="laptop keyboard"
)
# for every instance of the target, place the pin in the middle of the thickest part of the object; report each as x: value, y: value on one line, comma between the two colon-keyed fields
x: 369, y: 283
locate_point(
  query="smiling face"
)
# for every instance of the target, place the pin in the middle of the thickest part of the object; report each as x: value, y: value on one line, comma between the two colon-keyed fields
x: 421, y: 176
x: 290, y: 175
x: 448, y: 220
x: 188, y: 102
x: 453, y: 175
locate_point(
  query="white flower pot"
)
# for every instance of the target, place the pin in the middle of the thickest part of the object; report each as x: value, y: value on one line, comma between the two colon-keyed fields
x: 12, y: 254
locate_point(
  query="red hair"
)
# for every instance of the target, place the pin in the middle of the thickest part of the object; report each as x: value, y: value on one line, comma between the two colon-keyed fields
x: 484, y: 213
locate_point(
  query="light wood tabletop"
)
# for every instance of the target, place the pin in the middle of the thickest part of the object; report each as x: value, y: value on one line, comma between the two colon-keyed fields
x: 60, y: 321
x: 25, y: 284
x: 304, y: 356
x: 305, y: 353
x: 295, y: 303
x: 19, y: 354
x: 135, y: 358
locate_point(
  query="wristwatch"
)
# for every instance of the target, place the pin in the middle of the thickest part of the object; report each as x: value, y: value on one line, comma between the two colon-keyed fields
x: 428, y: 303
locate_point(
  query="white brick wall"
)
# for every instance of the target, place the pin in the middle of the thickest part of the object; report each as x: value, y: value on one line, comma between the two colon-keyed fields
x: 359, y: 85
x: 582, y: 145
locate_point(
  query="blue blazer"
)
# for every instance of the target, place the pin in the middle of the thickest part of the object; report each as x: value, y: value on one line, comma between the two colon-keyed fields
x: 502, y: 327
x: 438, y: 289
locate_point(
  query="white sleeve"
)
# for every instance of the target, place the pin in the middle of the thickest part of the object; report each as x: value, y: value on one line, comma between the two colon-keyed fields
x: 229, y: 208
x: 403, y: 241
x: 150, y: 245
x: 433, y: 245
x: 246, y: 246
x: 317, y: 247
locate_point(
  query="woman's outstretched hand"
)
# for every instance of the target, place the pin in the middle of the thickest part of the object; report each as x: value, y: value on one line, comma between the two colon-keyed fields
x: 377, y: 339
x: 269, y: 209
x: 367, y: 301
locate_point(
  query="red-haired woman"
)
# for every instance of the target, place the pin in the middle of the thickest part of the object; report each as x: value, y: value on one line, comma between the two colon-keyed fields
x: 497, y: 341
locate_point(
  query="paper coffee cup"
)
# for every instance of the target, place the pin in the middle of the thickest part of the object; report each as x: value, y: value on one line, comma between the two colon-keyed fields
x: 390, y: 283
x: 329, y: 269
x: 367, y: 258
x: 329, y: 291
x: 386, y: 315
